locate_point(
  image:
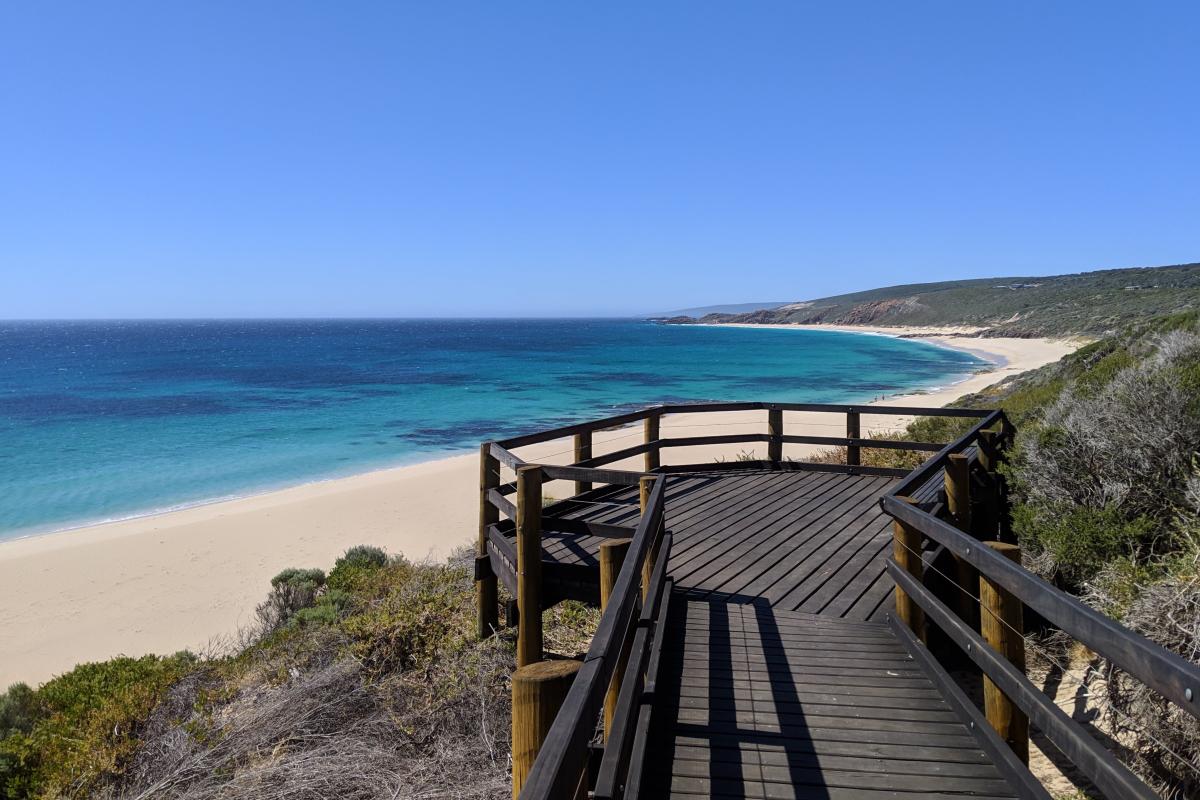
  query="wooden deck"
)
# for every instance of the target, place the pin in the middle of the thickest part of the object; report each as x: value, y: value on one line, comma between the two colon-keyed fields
x: 759, y: 702
x: 800, y: 540
x: 780, y: 676
x: 750, y: 644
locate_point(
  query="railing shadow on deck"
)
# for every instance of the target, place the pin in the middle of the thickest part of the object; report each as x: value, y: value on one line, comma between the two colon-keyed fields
x: 785, y: 694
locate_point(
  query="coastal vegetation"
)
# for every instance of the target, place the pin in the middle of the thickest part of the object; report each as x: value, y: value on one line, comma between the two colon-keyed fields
x: 367, y: 682
x: 1092, y: 303
x: 1105, y: 484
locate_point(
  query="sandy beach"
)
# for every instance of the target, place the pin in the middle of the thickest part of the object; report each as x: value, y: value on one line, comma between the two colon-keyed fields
x: 190, y: 578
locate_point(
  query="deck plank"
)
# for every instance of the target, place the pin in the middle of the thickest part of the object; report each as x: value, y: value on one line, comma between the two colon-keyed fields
x: 747, y: 709
x: 775, y: 526
x: 778, y: 680
x: 798, y: 538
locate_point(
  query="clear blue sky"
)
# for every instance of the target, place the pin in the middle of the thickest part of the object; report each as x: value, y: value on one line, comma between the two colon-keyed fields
x: 324, y: 159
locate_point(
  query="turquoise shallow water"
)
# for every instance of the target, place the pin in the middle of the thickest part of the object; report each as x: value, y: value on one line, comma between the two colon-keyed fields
x: 102, y: 420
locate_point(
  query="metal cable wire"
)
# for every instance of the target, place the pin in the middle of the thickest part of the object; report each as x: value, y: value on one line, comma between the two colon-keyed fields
x: 631, y: 504
x: 710, y: 425
x: 743, y: 424
x: 571, y: 449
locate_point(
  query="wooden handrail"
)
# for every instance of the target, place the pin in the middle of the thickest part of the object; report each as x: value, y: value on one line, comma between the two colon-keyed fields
x: 936, y: 461
x: 617, y: 455
x: 724, y: 438
x: 505, y: 456
x: 1109, y: 775
x: 574, y: 473
x: 614, y: 764
x: 619, y: 420
x: 580, y: 427
x: 833, y: 408
x: 865, y: 444
x: 1165, y: 672
x: 506, y: 506
x: 586, y: 461
x: 563, y: 758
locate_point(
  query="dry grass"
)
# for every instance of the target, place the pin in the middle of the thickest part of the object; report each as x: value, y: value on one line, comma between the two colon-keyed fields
x: 342, y: 711
x: 876, y: 456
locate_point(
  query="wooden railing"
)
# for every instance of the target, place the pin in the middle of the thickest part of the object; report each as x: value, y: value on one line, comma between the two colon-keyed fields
x: 553, y: 760
x: 588, y: 469
x: 617, y: 676
x: 988, y: 628
x: 654, y: 443
x: 956, y: 567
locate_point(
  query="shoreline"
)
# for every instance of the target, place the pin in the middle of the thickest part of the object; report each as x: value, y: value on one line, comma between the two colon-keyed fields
x: 189, y: 578
x: 931, y: 336
x: 250, y: 494
x: 425, y: 458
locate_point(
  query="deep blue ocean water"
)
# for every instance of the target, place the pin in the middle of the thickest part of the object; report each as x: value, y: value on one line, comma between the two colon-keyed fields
x: 102, y: 420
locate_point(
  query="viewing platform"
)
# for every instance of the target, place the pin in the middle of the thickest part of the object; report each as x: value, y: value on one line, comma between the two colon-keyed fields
x: 773, y: 628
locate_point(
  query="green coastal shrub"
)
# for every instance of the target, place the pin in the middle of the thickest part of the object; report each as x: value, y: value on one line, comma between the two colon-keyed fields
x: 1076, y: 542
x: 1127, y: 443
x: 291, y: 590
x: 85, y: 725
x: 354, y: 563
x: 305, y: 579
x: 19, y: 710
x: 329, y: 608
x: 415, y: 612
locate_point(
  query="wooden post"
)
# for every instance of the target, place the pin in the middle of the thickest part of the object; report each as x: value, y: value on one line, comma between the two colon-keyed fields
x: 645, y: 486
x: 612, y: 556
x: 986, y: 522
x: 653, y: 459
x: 538, y: 692
x: 775, y: 431
x: 529, y: 565
x: 989, y: 449
x: 1002, y: 624
x: 906, y: 548
x: 583, y: 451
x: 958, y: 490
x: 486, y: 599
x: 853, y: 431
x: 1001, y: 438
x: 958, y: 506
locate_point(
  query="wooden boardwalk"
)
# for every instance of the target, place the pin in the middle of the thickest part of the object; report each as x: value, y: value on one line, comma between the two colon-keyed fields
x: 764, y: 623
x: 779, y: 678
x: 764, y: 703
x: 800, y: 540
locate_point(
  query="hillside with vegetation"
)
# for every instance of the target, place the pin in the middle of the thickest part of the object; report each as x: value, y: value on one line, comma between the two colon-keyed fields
x: 365, y: 683
x: 1089, y: 303
x: 1105, y: 483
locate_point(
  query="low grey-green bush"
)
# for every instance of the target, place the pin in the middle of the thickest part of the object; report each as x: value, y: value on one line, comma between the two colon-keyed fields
x: 1128, y: 444
x: 355, y: 562
x: 291, y: 590
x: 19, y: 709
x: 1100, y: 470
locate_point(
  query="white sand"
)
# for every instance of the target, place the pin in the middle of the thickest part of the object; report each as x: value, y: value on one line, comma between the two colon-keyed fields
x: 187, y: 579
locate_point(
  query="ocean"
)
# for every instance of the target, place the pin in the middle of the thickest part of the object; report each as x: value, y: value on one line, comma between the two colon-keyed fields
x: 107, y: 420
